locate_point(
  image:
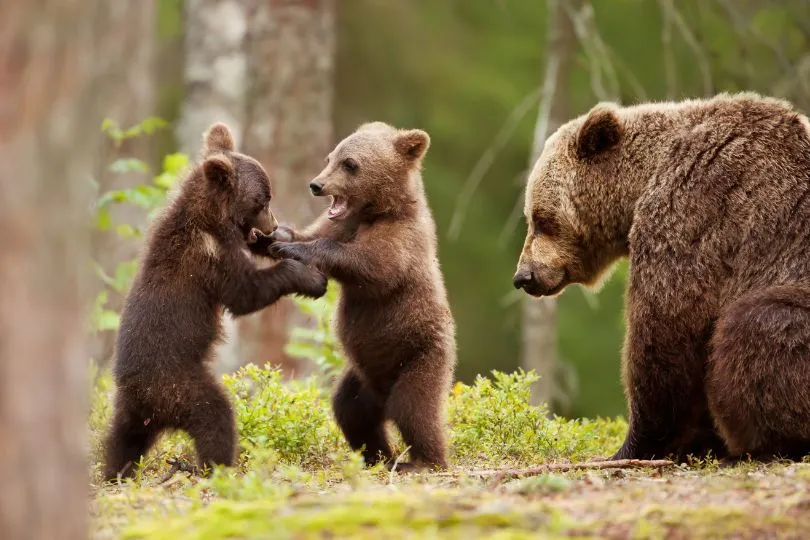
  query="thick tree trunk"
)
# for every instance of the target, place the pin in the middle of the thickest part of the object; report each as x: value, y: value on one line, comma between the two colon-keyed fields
x: 264, y: 67
x: 539, y: 335
x: 60, y: 68
x: 288, y: 129
x: 215, y: 91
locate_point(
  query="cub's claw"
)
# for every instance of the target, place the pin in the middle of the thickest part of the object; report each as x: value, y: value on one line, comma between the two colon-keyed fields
x: 282, y: 234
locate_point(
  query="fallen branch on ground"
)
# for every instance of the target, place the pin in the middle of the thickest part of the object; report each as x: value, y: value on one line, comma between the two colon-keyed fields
x: 501, y: 474
x: 179, y: 465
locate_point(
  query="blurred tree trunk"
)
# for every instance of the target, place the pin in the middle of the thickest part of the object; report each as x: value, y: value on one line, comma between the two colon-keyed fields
x: 60, y: 70
x: 539, y: 322
x: 264, y: 67
x: 215, y: 91
x: 289, y: 130
x: 137, y: 104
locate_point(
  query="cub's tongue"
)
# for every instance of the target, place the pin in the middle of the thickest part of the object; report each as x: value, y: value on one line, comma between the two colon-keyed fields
x: 338, y: 208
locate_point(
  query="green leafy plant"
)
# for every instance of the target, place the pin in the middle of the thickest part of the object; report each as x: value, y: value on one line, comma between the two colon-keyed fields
x: 150, y: 196
x: 318, y: 344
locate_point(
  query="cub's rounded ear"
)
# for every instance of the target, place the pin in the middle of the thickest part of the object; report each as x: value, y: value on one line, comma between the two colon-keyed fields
x: 412, y: 143
x: 218, y: 138
x: 218, y: 170
x: 601, y: 131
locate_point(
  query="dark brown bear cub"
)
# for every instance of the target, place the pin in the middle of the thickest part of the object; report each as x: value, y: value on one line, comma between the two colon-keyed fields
x: 378, y: 239
x: 194, y: 266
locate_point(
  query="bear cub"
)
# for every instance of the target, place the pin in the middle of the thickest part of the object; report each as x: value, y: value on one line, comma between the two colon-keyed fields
x: 378, y: 239
x: 195, y: 265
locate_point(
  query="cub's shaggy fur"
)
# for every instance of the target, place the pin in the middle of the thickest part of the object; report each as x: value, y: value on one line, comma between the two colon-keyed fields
x: 194, y: 266
x: 378, y: 239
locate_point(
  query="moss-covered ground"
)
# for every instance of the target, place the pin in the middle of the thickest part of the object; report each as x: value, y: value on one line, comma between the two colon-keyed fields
x: 297, y: 479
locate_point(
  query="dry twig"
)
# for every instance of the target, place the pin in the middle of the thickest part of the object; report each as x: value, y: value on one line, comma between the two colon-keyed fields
x: 502, y: 474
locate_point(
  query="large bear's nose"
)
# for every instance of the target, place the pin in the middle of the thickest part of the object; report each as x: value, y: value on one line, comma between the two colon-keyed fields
x: 315, y: 188
x: 523, y: 277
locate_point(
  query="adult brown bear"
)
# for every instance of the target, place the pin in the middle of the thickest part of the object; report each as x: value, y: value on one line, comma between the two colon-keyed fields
x: 710, y: 199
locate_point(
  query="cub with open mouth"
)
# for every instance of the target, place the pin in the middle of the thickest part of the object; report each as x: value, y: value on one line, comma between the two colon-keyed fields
x: 378, y: 239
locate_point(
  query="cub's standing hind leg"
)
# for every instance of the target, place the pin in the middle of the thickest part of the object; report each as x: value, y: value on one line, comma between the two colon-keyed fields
x: 130, y: 437
x: 416, y: 405
x: 759, y: 373
x: 360, y: 415
x: 208, y: 419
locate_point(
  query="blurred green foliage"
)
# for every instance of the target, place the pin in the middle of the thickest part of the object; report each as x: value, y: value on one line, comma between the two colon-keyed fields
x: 150, y: 196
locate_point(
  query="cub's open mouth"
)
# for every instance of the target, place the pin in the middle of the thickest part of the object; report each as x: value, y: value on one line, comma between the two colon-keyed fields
x: 338, y: 208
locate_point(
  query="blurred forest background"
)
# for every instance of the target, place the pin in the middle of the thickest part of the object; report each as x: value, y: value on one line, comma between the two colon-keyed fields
x: 488, y: 80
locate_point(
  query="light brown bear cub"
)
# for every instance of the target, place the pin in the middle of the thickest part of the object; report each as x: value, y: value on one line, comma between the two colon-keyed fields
x: 378, y: 239
x: 710, y: 199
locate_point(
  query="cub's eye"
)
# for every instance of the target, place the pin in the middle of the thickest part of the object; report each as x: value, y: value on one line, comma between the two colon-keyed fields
x: 349, y: 165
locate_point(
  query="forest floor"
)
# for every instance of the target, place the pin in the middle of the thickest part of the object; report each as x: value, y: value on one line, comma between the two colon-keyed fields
x: 746, y: 501
x: 295, y: 479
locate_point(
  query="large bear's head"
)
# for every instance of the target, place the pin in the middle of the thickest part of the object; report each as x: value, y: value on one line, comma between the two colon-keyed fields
x: 576, y: 224
x: 369, y: 173
x: 238, y: 182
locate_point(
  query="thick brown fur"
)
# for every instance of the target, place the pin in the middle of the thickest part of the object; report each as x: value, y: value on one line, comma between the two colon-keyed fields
x: 393, y: 317
x: 195, y: 265
x: 710, y: 199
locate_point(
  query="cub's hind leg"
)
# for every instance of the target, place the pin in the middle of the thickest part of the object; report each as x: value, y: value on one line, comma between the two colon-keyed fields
x: 130, y: 437
x: 758, y: 382
x: 417, y: 406
x: 207, y: 416
x: 360, y: 415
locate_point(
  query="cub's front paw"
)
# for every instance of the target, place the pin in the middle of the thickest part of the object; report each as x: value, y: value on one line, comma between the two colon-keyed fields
x: 290, y: 250
x: 314, y: 284
x: 306, y: 281
x: 282, y: 234
x: 258, y: 242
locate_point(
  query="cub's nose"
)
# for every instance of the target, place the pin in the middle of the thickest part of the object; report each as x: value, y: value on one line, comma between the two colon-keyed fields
x: 523, y: 277
x: 315, y: 188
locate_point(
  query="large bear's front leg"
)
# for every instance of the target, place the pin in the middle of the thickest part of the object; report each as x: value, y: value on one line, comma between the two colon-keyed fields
x: 664, y: 367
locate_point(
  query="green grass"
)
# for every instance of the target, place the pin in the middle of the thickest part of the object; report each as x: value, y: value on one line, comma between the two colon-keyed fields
x: 297, y: 479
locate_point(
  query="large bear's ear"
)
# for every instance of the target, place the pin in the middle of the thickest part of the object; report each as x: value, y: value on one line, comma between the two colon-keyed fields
x: 601, y: 131
x: 218, y: 170
x: 218, y: 138
x: 412, y: 143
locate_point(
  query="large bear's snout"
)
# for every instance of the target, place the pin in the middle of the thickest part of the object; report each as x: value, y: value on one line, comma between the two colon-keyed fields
x: 523, y: 277
x: 540, y: 281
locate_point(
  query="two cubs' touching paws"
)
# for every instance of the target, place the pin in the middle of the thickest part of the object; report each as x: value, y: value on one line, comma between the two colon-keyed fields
x: 309, y: 281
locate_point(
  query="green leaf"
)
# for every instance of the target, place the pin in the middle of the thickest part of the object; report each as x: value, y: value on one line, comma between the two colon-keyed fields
x: 152, y: 124
x: 124, y: 274
x: 127, y: 231
x: 107, y: 320
x: 112, y: 130
x: 302, y: 350
x: 175, y: 163
x: 108, y: 124
x: 165, y: 181
x: 126, y: 165
x: 103, y: 220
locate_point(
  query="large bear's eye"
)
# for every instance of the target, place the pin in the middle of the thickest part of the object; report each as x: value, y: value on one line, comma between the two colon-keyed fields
x: 349, y: 165
x: 545, y: 225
